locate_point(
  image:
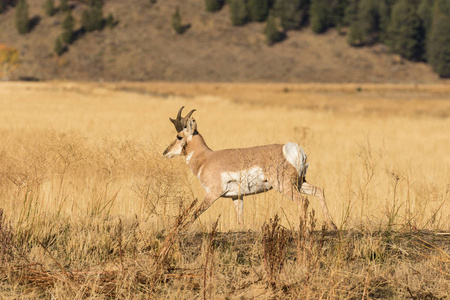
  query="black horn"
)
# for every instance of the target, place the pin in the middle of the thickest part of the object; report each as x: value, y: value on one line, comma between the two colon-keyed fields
x: 180, y: 122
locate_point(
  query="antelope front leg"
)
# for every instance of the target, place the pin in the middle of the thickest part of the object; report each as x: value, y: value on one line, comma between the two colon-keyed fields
x: 239, y: 207
x: 207, y: 201
x: 310, y: 189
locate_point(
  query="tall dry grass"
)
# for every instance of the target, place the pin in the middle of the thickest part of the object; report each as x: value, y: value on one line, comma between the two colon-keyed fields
x: 87, y: 199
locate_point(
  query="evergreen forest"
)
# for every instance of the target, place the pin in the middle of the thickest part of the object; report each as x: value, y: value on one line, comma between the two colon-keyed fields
x: 418, y: 30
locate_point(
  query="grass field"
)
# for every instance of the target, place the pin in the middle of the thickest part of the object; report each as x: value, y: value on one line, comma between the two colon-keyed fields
x: 89, y: 202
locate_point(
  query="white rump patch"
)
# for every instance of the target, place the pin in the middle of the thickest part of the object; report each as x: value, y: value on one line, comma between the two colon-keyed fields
x: 295, y: 155
x: 250, y: 181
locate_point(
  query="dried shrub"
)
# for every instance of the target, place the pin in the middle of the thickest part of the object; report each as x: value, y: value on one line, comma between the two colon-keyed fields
x: 208, y: 271
x: 309, y: 244
x: 6, y: 240
x: 275, y: 240
x: 161, y: 259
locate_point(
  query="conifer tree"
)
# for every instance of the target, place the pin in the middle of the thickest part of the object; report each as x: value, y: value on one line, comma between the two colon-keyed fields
x: 273, y: 35
x: 64, y: 6
x: 97, y: 15
x: 425, y: 11
x: 383, y: 11
x: 405, y: 34
x: 68, y: 26
x: 86, y: 20
x: 109, y: 21
x: 22, y: 21
x: 238, y: 12
x: 438, y: 46
x: 49, y: 7
x: 213, y: 5
x: 59, y: 47
x: 365, y: 28
x: 92, y: 17
x: 176, y: 22
x: 258, y: 10
x: 351, y: 12
x: 292, y: 13
x: 368, y: 20
x: 337, y: 12
x: 319, y: 16
x: 95, y: 3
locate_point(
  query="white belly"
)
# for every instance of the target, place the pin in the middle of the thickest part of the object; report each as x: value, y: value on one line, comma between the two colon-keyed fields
x: 251, y: 181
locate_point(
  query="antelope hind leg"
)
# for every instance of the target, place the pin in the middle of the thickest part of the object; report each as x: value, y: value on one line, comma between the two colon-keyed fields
x: 310, y: 189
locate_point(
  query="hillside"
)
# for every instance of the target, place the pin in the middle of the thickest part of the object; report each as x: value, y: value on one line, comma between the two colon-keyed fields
x: 143, y: 46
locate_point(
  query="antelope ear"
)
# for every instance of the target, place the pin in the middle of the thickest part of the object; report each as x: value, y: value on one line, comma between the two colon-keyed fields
x: 191, y: 125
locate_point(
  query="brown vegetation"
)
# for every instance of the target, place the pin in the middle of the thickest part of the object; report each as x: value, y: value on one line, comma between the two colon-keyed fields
x: 89, y: 208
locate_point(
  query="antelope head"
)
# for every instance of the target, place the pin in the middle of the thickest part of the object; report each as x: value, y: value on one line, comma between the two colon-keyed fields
x: 186, y: 128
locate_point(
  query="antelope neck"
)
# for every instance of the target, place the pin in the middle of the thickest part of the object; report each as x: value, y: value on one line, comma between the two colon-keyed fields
x: 196, y: 151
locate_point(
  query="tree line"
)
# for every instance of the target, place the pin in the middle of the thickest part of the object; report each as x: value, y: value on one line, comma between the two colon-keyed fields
x: 418, y: 30
x: 91, y: 19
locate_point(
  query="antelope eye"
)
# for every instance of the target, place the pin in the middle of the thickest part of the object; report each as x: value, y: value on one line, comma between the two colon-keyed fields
x: 179, y: 137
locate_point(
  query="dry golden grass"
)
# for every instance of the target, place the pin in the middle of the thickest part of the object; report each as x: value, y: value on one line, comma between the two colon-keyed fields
x: 88, y: 194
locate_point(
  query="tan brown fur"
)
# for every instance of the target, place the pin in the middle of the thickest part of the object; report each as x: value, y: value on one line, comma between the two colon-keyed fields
x: 211, y: 166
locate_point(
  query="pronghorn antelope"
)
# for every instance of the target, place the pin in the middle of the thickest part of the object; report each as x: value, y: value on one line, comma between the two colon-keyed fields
x: 235, y: 173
